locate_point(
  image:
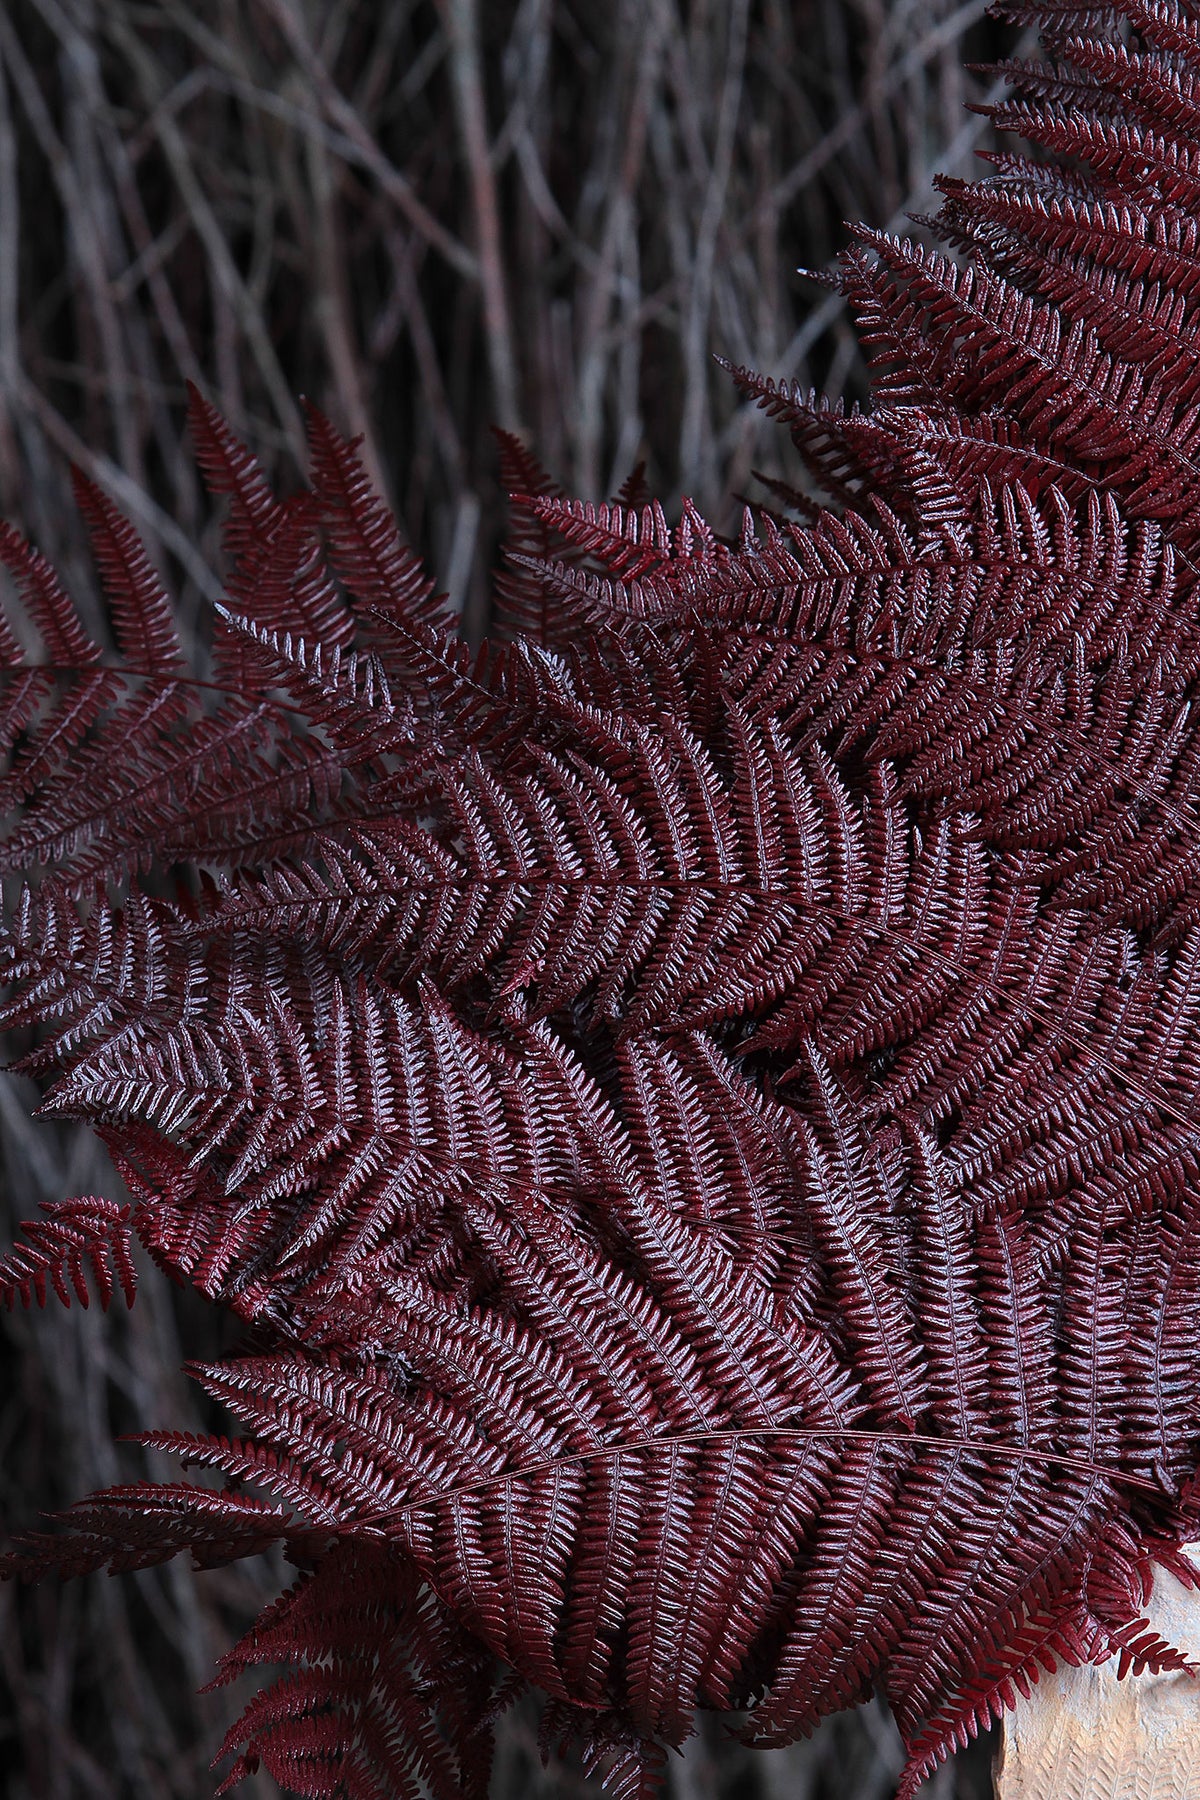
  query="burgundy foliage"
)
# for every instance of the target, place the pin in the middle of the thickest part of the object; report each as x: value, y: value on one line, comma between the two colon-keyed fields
x: 697, y: 1103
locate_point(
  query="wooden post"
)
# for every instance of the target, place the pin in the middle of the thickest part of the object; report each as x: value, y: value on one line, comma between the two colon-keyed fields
x: 1084, y: 1735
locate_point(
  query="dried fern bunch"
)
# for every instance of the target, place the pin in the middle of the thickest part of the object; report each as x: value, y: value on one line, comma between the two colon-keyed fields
x: 697, y: 1104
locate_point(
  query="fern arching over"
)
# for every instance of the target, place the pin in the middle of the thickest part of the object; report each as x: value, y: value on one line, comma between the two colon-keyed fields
x: 697, y: 1101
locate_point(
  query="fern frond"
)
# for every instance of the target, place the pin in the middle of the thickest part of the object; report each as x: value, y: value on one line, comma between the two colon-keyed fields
x: 141, y: 608
x: 144, y: 1523
x: 366, y: 551
x: 77, y: 1236
x: 410, y: 1718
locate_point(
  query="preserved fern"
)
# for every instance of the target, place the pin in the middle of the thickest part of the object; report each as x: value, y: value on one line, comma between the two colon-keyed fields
x: 699, y: 1100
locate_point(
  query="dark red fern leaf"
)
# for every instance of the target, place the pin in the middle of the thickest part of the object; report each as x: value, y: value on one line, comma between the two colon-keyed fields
x: 393, y: 1699
x: 45, y: 605
x: 116, y: 766
x: 366, y: 550
x: 141, y: 606
x: 523, y: 603
x: 77, y: 1237
x: 146, y: 1522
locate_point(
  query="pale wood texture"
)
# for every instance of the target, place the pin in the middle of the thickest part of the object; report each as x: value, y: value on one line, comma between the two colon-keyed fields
x: 1084, y: 1735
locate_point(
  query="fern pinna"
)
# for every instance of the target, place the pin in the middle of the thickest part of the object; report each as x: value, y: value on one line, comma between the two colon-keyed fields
x: 697, y: 1103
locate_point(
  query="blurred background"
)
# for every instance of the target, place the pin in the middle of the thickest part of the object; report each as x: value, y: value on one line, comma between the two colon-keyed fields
x: 429, y: 216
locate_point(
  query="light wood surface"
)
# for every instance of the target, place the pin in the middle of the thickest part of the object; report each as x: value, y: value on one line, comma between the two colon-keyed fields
x: 1084, y: 1735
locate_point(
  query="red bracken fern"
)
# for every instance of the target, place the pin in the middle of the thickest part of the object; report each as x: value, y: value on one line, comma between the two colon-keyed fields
x: 700, y: 1100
